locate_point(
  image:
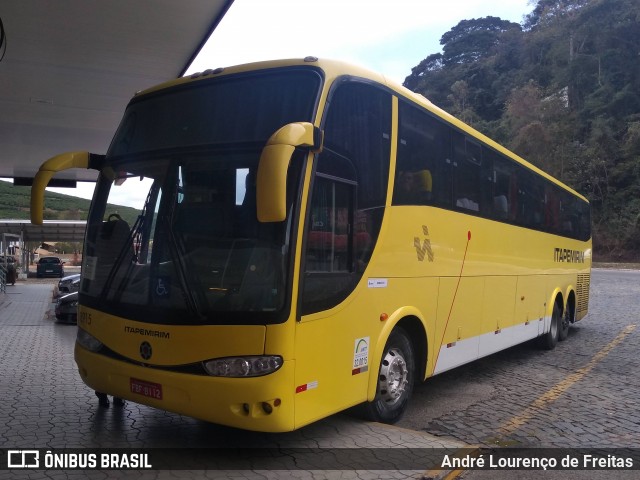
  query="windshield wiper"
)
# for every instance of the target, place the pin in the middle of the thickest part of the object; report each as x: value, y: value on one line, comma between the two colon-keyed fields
x: 134, y: 234
x: 181, y: 268
x: 126, y: 248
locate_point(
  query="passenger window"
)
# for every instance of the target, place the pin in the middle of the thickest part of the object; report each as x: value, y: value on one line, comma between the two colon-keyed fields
x: 422, y: 171
x: 349, y: 194
x: 531, y: 198
x: 505, y: 186
x: 328, y: 245
x: 467, y: 176
x: 437, y: 164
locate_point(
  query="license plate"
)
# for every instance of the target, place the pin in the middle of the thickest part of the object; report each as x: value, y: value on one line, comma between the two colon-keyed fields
x: 147, y: 389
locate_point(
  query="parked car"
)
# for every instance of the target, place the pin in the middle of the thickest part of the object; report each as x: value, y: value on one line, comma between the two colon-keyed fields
x: 69, y: 284
x: 67, y: 308
x: 50, y: 267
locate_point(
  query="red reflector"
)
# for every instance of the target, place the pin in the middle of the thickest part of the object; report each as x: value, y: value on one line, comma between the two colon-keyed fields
x: 358, y: 370
x: 307, y: 386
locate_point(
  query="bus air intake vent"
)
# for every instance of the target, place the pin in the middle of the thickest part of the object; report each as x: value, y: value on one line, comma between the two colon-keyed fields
x: 583, y: 292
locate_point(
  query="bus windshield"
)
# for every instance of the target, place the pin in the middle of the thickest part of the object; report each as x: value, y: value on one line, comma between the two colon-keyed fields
x: 173, y: 235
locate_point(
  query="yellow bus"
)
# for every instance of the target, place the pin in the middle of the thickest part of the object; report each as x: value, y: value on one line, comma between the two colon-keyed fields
x: 310, y: 237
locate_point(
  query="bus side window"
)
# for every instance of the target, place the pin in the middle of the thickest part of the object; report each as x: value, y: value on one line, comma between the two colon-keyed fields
x: 421, y: 172
x: 531, y: 200
x: 328, y: 243
x: 348, y: 195
x: 504, y: 192
x: 551, y: 209
x: 467, y: 176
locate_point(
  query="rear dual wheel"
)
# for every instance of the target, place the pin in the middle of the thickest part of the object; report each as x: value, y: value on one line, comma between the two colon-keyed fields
x: 567, y: 319
x: 549, y: 340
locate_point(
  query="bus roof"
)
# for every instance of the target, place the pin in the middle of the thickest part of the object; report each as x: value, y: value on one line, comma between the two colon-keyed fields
x: 333, y: 69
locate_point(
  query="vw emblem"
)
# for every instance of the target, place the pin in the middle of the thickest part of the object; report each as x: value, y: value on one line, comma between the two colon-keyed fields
x: 145, y: 350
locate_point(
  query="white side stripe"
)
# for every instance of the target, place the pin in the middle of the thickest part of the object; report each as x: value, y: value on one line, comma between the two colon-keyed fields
x: 464, y: 351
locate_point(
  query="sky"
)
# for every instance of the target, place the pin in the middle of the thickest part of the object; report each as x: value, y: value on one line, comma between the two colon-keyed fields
x: 387, y: 36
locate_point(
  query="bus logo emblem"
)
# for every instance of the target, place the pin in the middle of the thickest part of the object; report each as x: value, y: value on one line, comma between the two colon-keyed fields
x: 423, y: 249
x: 145, y: 350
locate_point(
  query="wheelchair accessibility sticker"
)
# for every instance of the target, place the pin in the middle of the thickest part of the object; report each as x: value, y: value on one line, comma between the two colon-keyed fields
x: 163, y: 286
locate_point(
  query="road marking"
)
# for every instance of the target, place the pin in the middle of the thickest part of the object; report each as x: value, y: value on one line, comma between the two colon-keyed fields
x: 557, y: 390
x: 540, y: 403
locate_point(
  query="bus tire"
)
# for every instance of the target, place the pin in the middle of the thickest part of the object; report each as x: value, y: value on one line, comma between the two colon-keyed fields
x: 565, y: 321
x: 395, y: 380
x: 549, y: 340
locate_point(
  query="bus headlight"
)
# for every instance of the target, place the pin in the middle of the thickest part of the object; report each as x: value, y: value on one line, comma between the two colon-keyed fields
x: 88, y: 341
x: 243, y: 366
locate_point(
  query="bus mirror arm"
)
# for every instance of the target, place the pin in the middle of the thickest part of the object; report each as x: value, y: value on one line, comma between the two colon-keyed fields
x: 271, y: 184
x: 64, y: 161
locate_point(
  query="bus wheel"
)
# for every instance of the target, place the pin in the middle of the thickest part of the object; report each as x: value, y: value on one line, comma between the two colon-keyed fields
x: 565, y: 320
x: 549, y: 340
x: 395, y: 380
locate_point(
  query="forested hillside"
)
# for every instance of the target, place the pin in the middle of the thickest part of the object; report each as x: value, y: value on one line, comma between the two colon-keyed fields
x: 15, y: 205
x: 562, y: 90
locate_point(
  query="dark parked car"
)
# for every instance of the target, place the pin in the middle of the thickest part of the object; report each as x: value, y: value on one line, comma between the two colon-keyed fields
x: 69, y: 284
x: 50, y: 267
x: 67, y: 308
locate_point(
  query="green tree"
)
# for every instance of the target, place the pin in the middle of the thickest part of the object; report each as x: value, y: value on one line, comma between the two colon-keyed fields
x: 433, y: 63
x: 563, y: 91
x: 459, y: 99
x: 471, y: 40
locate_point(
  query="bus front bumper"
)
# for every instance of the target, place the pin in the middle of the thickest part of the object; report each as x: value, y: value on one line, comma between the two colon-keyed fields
x: 262, y: 404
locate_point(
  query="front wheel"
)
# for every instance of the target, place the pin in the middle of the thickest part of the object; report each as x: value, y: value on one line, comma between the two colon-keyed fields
x: 395, y: 380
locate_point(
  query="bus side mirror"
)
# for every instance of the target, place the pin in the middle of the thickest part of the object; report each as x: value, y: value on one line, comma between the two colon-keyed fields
x: 271, y: 182
x: 64, y: 161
